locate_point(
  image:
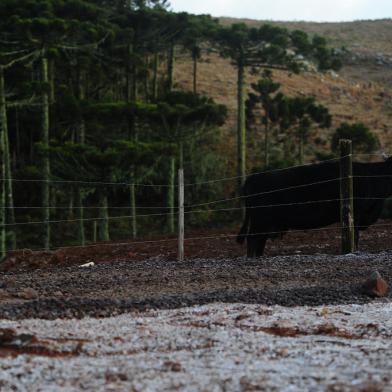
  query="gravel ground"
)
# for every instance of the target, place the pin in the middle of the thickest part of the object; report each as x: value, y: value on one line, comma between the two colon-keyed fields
x: 201, y: 244
x: 111, y: 288
x: 215, y: 347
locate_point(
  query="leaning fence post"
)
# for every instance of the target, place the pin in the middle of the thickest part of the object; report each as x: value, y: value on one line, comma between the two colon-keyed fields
x: 180, y: 215
x: 346, y: 196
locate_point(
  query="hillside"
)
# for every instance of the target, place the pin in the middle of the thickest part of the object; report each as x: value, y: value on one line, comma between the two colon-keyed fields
x: 364, y: 35
x: 368, y: 42
x: 360, y: 92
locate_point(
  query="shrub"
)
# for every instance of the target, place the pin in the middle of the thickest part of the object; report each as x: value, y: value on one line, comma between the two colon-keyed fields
x: 364, y: 141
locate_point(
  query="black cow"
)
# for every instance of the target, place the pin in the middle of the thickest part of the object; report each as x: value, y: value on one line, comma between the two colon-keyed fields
x: 307, y: 197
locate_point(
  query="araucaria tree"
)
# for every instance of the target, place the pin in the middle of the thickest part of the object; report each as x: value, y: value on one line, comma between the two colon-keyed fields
x: 263, y: 95
x: 267, y: 47
x: 364, y: 141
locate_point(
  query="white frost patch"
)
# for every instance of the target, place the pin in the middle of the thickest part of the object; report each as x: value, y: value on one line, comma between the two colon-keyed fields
x: 216, y: 347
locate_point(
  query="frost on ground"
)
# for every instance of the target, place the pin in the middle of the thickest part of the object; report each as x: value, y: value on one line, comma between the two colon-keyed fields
x: 216, y: 347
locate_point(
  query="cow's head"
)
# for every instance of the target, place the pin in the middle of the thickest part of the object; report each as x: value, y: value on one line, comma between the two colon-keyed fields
x: 388, y: 162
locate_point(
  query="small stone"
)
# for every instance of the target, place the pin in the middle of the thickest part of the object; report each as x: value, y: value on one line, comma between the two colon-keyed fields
x: 375, y: 285
x: 92, y: 264
x: 173, y: 366
x: 28, y: 293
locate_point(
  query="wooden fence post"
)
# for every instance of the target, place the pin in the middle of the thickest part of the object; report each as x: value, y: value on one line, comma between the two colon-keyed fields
x: 95, y: 225
x: 180, y: 215
x: 171, y: 196
x: 346, y: 196
x: 132, y: 191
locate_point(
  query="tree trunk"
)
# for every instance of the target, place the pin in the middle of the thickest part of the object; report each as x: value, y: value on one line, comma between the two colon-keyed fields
x: 131, y: 93
x: 9, y: 191
x: 170, y: 68
x: 19, y: 158
x: 103, y: 216
x: 132, y: 192
x: 241, y: 126
x: 286, y: 145
x: 266, y: 144
x: 131, y: 98
x: 80, y: 215
x: 45, y: 160
x: 181, y: 154
x: 81, y: 137
x: 71, y: 202
x: 51, y: 76
x: 6, y: 160
x: 3, y: 129
x: 94, y: 231
x: 155, y: 77
x: 81, y: 97
x: 3, y: 233
x: 194, y: 74
x: 171, y: 192
x: 31, y: 147
x: 301, y: 149
x: 146, y: 83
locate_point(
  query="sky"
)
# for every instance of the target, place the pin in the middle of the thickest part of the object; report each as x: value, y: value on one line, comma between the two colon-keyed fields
x: 309, y: 10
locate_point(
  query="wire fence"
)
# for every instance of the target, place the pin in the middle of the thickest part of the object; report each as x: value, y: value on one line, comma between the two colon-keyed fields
x: 128, y: 184
x: 186, y: 212
x: 190, y: 209
x: 174, y: 240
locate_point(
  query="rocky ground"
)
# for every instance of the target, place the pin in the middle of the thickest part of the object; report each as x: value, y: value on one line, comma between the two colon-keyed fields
x: 216, y: 347
x: 138, y: 320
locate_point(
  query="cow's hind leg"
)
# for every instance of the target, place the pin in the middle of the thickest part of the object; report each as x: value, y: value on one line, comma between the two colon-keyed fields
x: 256, y: 245
x: 356, y: 238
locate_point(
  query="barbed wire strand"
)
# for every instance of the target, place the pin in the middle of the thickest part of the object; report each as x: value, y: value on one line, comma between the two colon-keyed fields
x: 380, y: 154
x: 286, y: 204
x: 263, y: 172
x: 285, y: 189
x: 187, y: 184
x: 175, y: 209
x: 86, y: 182
x: 256, y: 194
x: 186, y: 212
x: 90, y: 208
x: 162, y: 185
x: 266, y: 192
x: 78, y: 220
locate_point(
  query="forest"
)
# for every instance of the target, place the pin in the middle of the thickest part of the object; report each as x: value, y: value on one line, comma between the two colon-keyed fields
x: 93, y: 127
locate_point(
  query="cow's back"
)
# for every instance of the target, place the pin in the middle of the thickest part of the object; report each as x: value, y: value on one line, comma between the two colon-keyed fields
x: 297, y: 198
x: 302, y: 183
x: 309, y: 196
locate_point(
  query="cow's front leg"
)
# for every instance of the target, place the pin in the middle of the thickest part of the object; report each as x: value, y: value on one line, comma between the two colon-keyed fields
x: 256, y: 245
